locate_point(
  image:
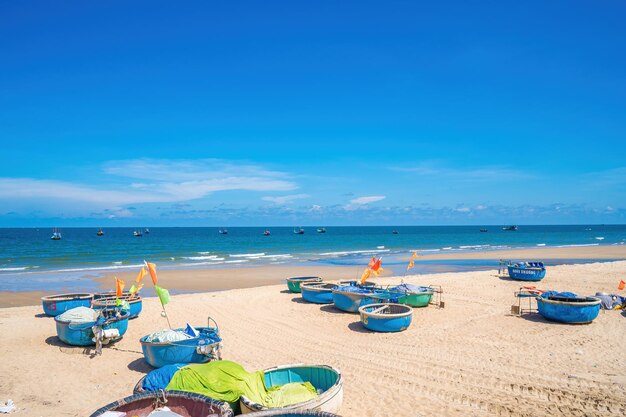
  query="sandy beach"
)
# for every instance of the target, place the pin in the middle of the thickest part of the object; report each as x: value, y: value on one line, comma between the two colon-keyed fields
x: 470, y: 358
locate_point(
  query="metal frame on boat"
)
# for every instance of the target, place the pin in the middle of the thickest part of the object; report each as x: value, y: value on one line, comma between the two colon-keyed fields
x: 136, y: 304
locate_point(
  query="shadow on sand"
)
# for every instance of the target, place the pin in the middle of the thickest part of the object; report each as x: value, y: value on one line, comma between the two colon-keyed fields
x: 357, y: 326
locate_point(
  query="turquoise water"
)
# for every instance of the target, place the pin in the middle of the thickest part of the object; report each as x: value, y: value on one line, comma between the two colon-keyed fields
x: 29, y: 252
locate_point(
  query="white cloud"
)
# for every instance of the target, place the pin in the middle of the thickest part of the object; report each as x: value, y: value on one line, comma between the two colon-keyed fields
x: 360, y: 202
x: 485, y: 173
x: 463, y: 209
x: 284, y: 199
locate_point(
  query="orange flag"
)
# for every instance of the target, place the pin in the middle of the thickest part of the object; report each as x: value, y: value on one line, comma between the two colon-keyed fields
x: 372, y: 262
x: 411, y: 265
x: 365, y: 276
x: 621, y: 285
x: 119, y: 287
x: 376, y: 265
x: 414, y: 255
x: 152, y: 270
x: 142, y: 274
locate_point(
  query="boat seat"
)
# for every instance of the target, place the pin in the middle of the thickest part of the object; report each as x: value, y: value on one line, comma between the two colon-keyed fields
x: 378, y: 310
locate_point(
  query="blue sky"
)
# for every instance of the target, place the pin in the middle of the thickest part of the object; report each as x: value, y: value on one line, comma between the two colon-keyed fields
x: 285, y: 113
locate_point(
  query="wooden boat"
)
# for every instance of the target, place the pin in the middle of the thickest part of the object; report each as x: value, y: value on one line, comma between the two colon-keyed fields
x: 318, y: 292
x: 293, y: 283
x: 82, y: 334
x: 395, y: 232
x: 100, y: 232
x: 386, y: 317
x: 137, y: 233
x: 185, y: 404
x: 56, y: 234
x: 484, y: 230
x: 299, y: 231
x: 510, y: 228
x: 326, y: 380
x: 266, y: 232
x: 321, y: 230
x: 223, y: 231
x: 135, y: 302
x: 53, y: 305
x: 568, y: 309
x: 349, y: 298
x: 201, y: 349
x: 527, y: 271
x: 413, y: 295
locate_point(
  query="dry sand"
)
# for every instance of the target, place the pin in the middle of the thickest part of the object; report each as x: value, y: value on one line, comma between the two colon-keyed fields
x: 471, y: 358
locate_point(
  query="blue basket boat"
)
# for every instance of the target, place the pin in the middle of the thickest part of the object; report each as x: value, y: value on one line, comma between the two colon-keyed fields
x: 109, y: 294
x: 569, y: 308
x: 185, y: 404
x: 527, y: 271
x: 199, y: 349
x: 135, y: 303
x: 350, y: 297
x: 294, y: 283
x: 326, y: 380
x: 318, y: 292
x: 81, y: 334
x: 386, y: 317
x: 53, y: 305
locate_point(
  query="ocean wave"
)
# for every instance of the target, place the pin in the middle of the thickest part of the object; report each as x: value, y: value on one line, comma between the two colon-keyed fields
x: 238, y: 261
x: 203, y: 258
x: 117, y: 262
x: 203, y: 253
x: 599, y: 238
x: 100, y: 268
x: 280, y: 256
x: 246, y: 255
x: 354, y: 252
x: 577, y: 246
x: 23, y: 268
x: 541, y: 244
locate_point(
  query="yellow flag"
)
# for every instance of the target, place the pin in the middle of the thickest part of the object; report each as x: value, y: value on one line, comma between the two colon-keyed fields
x: 366, y: 274
x: 411, y: 265
x: 414, y: 255
x: 142, y: 274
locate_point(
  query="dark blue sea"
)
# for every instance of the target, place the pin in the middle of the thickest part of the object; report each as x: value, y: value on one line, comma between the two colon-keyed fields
x: 29, y: 254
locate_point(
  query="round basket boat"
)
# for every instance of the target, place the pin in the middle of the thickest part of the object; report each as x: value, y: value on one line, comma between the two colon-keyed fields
x: 574, y: 310
x: 318, y: 292
x: 109, y: 294
x: 350, y: 297
x: 185, y: 404
x: 81, y: 334
x: 527, y: 271
x: 199, y: 349
x: 414, y: 295
x: 53, y: 305
x: 386, y: 317
x: 293, y: 283
x: 325, y: 379
x: 136, y: 304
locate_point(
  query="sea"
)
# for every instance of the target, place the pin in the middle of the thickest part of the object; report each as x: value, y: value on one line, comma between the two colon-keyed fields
x: 31, y: 261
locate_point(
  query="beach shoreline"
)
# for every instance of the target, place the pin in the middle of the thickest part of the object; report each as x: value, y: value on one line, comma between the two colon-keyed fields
x: 196, y: 280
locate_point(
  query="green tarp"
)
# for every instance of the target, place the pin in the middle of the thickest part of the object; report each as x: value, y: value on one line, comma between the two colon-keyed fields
x: 227, y: 381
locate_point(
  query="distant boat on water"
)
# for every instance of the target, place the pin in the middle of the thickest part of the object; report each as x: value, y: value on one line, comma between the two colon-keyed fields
x: 298, y: 231
x: 321, y: 230
x: 146, y: 231
x: 137, y: 233
x: 266, y: 232
x: 56, y: 234
x: 100, y: 232
x: 223, y: 231
x: 510, y: 228
x: 395, y: 232
x: 484, y: 230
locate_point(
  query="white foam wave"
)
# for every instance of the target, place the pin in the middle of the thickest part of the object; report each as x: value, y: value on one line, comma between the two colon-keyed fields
x: 541, y: 244
x: 238, y: 261
x: 246, y: 255
x: 100, y: 268
x: 600, y: 238
x: 203, y: 258
x: 203, y: 253
x: 24, y: 268
x: 577, y: 246
x: 354, y: 252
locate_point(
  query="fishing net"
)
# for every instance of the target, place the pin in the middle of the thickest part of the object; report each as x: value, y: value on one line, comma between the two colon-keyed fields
x: 79, y: 315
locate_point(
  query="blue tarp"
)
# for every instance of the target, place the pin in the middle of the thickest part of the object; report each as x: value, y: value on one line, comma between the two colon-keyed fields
x: 549, y: 294
x: 160, y: 378
x: 410, y: 288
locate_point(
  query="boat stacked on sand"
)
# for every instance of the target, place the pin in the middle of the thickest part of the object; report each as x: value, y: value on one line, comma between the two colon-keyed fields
x: 83, y: 326
x: 413, y: 295
x: 386, y: 317
x: 184, y: 345
x: 527, y: 271
x: 318, y: 292
x: 567, y: 307
x: 352, y: 296
x: 53, y: 305
x: 294, y: 283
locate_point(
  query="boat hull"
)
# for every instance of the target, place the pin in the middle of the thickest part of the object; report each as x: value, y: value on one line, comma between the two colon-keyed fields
x: 317, y: 294
x: 185, y: 404
x: 168, y: 353
x: 569, y: 312
x: 416, y: 299
x: 398, y: 320
x: 53, y: 305
x: 324, y: 378
x: 294, y: 283
x: 526, y: 274
x: 136, y: 304
x: 82, y: 334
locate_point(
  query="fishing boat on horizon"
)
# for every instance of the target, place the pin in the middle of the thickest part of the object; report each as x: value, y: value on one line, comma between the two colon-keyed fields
x: 321, y: 230
x: 510, y: 228
x: 100, y: 232
x: 56, y: 234
x: 395, y: 232
x: 223, y: 231
x: 266, y: 232
x: 146, y: 230
x: 298, y: 231
x: 137, y: 233
x: 484, y: 230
